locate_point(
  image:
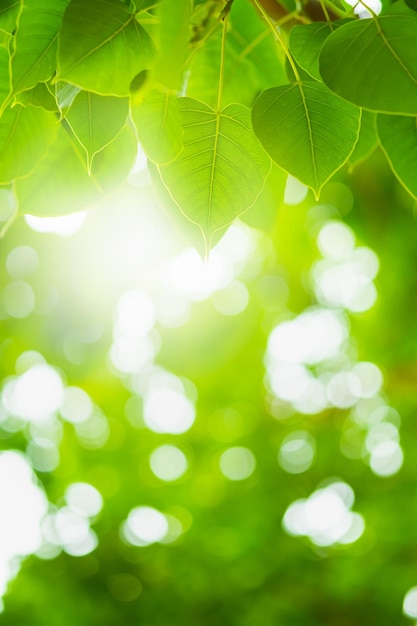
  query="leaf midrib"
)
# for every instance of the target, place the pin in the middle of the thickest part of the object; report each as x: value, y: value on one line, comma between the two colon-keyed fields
x: 310, y: 132
x: 393, y: 51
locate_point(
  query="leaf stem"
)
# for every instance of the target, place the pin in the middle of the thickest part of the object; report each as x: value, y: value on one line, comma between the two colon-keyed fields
x: 277, y: 36
x: 222, y: 58
x: 326, y: 13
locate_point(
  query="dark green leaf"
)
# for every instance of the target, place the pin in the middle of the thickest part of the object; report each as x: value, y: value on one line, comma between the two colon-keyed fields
x: 307, y: 130
x: 402, y: 155
x: 367, y: 141
x: 305, y: 44
x: 373, y: 63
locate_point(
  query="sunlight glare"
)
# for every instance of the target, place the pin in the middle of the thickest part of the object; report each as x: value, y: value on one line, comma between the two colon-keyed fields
x: 144, y: 526
x: 64, y: 225
x: 325, y: 516
x: 34, y: 395
x: 168, y: 463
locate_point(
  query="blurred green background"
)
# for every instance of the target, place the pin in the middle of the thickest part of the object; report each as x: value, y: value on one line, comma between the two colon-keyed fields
x: 227, y: 442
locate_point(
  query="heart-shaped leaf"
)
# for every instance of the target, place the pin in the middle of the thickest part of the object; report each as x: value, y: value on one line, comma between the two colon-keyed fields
x: 308, y: 131
x: 373, y: 63
x: 222, y: 168
x: 367, y: 141
x: 60, y: 184
x: 39, y: 96
x: 158, y: 123
x: 25, y: 136
x: 106, y: 58
x: 96, y: 120
x: 402, y: 155
x: 305, y: 44
x: 34, y: 59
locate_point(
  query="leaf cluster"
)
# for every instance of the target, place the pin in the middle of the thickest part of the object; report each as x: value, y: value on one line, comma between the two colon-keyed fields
x: 214, y: 92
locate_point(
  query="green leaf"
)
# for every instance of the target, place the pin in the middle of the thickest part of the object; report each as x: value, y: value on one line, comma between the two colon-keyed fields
x: 367, y: 141
x: 401, y: 154
x: 9, y: 11
x: 305, y: 43
x: 373, y: 63
x: 4, y: 75
x: 65, y: 94
x: 240, y: 82
x: 253, y: 41
x: 39, y: 96
x: 173, y: 36
x: 158, y: 123
x: 25, y: 136
x: 34, y: 58
x: 60, y: 184
x: 96, y: 120
x: 103, y: 59
x: 307, y: 130
x: 263, y: 214
x: 222, y: 168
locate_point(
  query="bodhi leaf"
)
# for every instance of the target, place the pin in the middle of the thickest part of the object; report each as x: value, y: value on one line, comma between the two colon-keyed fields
x: 307, y: 130
x: 373, y: 63
x: 65, y: 95
x: 96, y: 120
x: 367, y: 141
x: 39, y: 96
x: 4, y: 75
x: 240, y: 82
x: 103, y: 59
x: 34, y: 59
x: 252, y: 40
x: 402, y: 155
x: 158, y: 123
x: 222, y: 168
x: 25, y: 136
x: 60, y: 183
x: 9, y: 10
x: 173, y: 36
x: 305, y: 44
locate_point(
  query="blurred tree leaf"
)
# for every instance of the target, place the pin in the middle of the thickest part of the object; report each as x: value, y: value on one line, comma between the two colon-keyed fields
x: 43, y: 194
x: 401, y: 156
x: 25, y: 136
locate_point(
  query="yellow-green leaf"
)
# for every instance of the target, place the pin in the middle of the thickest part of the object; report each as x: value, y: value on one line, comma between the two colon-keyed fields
x: 106, y: 58
x: 222, y: 168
